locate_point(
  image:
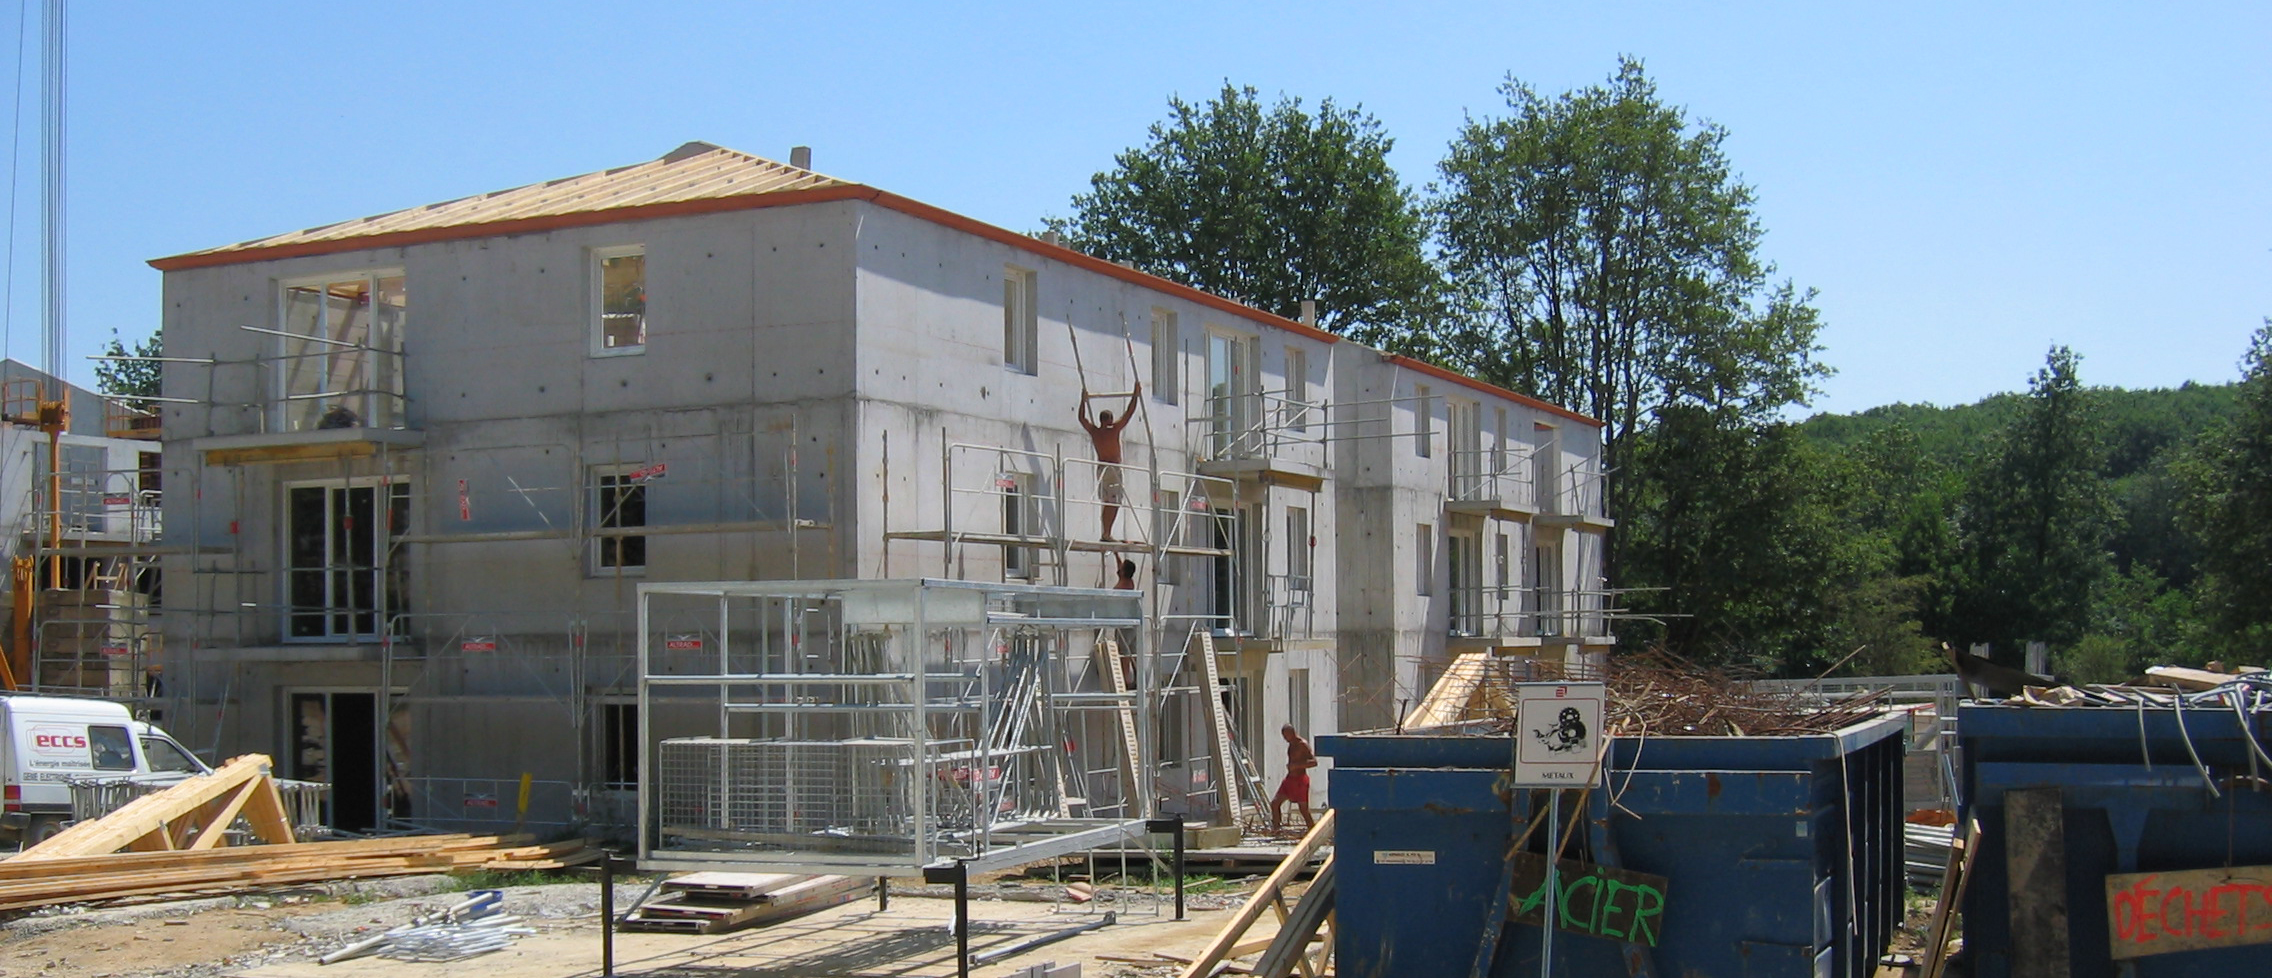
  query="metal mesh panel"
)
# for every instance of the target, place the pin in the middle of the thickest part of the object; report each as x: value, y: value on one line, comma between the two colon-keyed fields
x: 777, y: 794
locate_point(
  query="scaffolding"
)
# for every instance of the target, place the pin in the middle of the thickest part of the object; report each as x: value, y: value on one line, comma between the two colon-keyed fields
x: 85, y: 545
x: 486, y: 717
x: 880, y: 727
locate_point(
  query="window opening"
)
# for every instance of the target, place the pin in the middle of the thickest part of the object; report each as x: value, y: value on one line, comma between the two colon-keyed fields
x: 621, y: 323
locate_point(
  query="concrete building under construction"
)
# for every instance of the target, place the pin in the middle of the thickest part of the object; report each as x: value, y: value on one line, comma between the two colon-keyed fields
x: 421, y: 462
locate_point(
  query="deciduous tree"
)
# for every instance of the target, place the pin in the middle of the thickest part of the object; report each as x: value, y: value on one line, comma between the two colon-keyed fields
x: 135, y: 380
x: 1269, y: 205
x: 2228, y: 475
x: 1606, y: 257
x: 2036, y: 519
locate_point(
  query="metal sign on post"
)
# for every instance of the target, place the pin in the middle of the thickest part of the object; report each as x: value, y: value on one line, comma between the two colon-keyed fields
x: 1557, y: 734
x: 1557, y: 745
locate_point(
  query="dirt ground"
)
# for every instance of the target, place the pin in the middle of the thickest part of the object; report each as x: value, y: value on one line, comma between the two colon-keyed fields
x: 269, y: 938
x: 149, y: 946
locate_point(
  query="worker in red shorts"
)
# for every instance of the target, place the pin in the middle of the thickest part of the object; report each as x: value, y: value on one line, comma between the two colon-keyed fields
x: 1296, y: 787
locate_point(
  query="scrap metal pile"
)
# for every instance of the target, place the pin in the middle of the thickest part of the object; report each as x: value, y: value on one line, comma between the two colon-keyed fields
x: 1651, y: 694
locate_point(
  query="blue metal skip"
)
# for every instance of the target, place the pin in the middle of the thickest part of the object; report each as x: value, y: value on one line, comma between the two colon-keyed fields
x: 1782, y: 855
x: 2132, y: 801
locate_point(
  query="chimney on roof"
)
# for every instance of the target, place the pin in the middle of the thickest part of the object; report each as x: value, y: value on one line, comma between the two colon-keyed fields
x: 1309, y: 313
x: 1054, y: 238
x: 801, y: 157
x: 689, y: 151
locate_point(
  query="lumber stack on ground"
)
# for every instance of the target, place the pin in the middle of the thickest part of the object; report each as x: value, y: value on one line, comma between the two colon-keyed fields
x: 29, y: 883
x: 714, y: 903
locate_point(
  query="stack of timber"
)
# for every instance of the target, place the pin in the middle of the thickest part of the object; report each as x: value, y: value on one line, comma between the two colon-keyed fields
x: 26, y: 883
x: 714, y: 903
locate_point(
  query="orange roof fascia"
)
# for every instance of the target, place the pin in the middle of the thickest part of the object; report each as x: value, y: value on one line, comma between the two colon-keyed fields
x: 1464, y: 380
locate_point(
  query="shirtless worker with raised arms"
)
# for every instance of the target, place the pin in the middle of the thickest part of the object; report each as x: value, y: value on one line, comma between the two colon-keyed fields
x: 1104, y: 436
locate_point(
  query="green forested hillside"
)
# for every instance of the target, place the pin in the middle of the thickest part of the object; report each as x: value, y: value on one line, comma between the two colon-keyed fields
x: 2067, y: 514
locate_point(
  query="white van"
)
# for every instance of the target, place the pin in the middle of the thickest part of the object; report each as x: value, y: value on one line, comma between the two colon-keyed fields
x: 48, y: 741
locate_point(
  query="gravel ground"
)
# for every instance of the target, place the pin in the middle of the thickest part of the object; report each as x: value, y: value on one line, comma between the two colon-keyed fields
x: 52, y: 919
x: 232, y: 934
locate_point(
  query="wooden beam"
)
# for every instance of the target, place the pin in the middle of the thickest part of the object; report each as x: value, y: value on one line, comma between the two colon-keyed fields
x: 1951, y: 900
x: 1453, y: 694
x: 322, y: 451
x: 217, y: 828
x: 2187, y: 680
x: 1264, y: 896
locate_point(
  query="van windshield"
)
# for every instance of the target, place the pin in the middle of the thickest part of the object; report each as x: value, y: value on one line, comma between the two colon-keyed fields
x: 165, y: 758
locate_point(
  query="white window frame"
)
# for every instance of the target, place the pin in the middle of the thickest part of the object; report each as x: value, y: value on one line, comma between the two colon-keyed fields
x: 1019, y: 563
x: 1297, y: 388
x: 1300, y: 575
x: 597, y: 560
x: 280, y: 384
x: 1021, y: 320
x: 1167, y: 356
x: 1499, y: 440
x: 1298, y: 701
x: 1424, y: 559
x: 597, y: 301
x: 382, y: 507
x: 631, y: 757
x: 1423, y: 421
x: 1234, y: 416
x: 1463, y: 584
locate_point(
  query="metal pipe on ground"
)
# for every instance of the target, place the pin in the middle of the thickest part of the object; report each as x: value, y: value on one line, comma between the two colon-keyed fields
x: 1021, y: 947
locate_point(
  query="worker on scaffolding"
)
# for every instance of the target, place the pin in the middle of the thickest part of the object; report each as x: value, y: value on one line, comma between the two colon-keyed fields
x: 1104, y: 435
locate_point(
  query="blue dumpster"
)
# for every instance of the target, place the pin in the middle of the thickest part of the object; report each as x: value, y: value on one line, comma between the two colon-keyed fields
x: 1780, y: 855
x: 2131, y: 800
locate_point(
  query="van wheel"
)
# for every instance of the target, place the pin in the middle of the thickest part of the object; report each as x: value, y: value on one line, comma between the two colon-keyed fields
x: 43, y: 828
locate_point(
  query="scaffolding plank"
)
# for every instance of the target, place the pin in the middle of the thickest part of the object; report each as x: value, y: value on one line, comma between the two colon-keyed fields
x: 1229, y: 798
x: 1125, y: 713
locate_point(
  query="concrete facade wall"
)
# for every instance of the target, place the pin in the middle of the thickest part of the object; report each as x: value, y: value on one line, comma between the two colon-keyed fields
x: 803, y: 367
x: 1395, y: 479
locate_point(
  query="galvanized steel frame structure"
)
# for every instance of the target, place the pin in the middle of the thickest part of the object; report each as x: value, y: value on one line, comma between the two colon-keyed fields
x: 925, y: 677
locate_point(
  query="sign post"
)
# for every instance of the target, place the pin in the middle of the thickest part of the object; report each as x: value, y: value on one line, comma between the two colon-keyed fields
x: 1557, y: 746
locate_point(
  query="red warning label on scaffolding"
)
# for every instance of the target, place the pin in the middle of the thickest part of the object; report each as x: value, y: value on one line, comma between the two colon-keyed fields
x: 118, y: 500
x: 116, y: 650
x: 683, y: 643
x: 649, y: 473
x: 483, y: 644
x: 481, y: 801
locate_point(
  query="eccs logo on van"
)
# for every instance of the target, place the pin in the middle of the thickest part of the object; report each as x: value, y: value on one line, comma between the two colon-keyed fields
x: 58, y: 738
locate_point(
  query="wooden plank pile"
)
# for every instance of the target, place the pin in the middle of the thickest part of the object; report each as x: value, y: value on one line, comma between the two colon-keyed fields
x: 714, y: 903
x: 49, y: 881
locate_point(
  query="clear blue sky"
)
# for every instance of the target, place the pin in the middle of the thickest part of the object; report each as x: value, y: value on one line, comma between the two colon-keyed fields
x: 1965, y: 187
